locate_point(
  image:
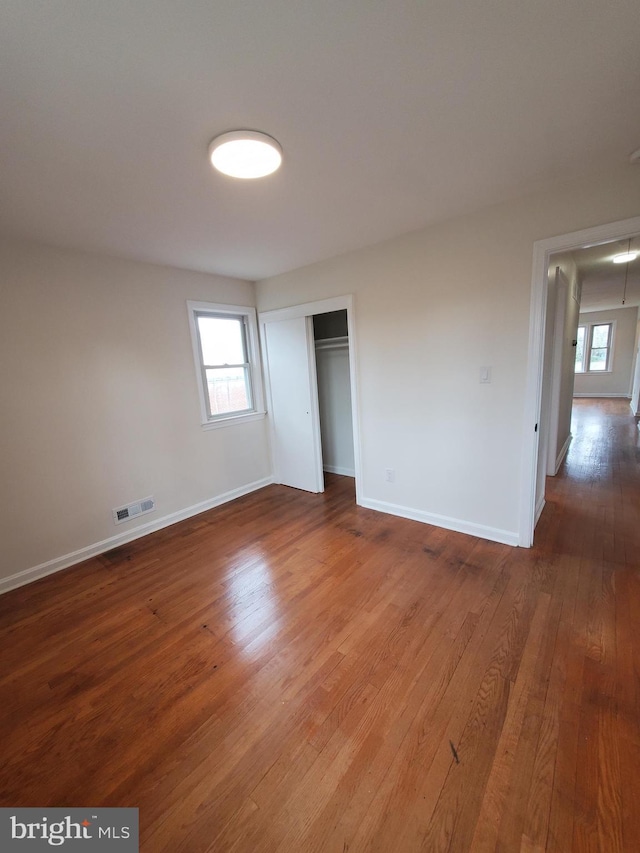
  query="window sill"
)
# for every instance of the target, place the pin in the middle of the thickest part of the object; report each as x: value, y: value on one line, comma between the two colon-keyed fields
x: 592, y: 372
x: 233, y: 420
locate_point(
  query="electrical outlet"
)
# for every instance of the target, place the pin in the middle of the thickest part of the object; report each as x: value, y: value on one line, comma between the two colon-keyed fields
x: 390, y: 475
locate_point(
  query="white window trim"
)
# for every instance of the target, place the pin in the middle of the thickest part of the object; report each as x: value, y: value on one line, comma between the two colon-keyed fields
x: 587, y: 347
x: 257, y: 412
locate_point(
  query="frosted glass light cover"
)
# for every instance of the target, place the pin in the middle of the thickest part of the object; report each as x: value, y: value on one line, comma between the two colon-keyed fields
x: 245, y: 154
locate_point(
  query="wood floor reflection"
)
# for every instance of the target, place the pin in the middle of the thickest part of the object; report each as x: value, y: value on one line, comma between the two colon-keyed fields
x: 292, y: 672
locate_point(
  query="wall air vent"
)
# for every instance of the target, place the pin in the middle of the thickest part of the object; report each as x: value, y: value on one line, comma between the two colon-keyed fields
x: 126, y: 513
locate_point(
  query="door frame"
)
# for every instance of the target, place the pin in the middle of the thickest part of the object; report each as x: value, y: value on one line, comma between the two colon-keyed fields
x: 542, y: 251
x: 557, y: 352
x: 308, y: 309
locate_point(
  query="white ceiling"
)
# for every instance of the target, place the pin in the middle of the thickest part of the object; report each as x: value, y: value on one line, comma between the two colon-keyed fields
x: 392, y: 114
x: 603, y: 282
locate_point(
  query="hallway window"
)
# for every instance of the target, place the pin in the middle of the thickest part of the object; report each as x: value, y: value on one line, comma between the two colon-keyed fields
x: 593, y: 349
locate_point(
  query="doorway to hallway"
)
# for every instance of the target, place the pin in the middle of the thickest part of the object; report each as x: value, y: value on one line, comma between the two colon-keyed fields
x: 600, y: 477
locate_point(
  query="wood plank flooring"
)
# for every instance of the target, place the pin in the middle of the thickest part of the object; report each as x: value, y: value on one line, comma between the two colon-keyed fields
x: 291, y: 672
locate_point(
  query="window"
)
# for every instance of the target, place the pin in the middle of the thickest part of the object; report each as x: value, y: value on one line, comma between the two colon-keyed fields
x: 593, y: 349
x: 224, y: 339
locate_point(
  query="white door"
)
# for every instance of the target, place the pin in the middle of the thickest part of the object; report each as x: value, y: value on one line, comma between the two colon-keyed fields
x: 635, y: 392
x: 295, y: 424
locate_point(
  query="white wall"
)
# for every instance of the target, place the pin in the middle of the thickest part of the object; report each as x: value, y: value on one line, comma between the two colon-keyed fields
x: 99, y: 401
x: 617, y: 383
x: 431, y: 308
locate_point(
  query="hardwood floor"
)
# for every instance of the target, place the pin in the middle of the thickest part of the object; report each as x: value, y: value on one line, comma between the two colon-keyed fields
x: 291, y: 672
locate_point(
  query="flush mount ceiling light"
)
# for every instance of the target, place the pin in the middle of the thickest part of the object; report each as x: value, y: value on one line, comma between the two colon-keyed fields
x: 625, y: 257
x: 245, y: 154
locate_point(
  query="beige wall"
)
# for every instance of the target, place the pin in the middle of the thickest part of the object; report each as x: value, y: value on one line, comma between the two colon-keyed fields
x: 334, y: 403
x: 618, y: 382
x: 99, y: 400
x: 431, y: 308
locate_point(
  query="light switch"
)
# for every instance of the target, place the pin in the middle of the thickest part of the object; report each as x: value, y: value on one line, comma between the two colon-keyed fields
x: 485, y: 375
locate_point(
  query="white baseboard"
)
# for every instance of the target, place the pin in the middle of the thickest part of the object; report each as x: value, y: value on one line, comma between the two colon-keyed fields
x: 541, y: 505
x: 29, y: 575
x: 506, y: 537
x: 562, y: 454
x: 597, y: 396
x: 336, y: 469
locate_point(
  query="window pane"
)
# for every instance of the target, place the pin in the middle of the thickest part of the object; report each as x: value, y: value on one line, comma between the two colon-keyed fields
x: 598, y: 360
x: 228, y: 390
x: 580, y: 350
x: 600, y: 336
x: 222, y: 340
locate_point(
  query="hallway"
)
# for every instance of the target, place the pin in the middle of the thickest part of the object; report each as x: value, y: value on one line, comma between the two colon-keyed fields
x: 590, y: 528
x: 599, y: 481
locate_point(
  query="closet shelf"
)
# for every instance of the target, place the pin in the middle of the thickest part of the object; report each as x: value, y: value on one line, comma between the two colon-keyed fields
x: 332, y: 343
